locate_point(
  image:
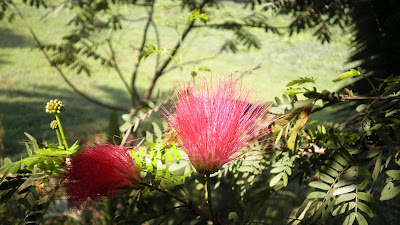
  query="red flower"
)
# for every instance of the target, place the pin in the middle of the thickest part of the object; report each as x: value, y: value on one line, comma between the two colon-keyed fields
x: 213, y: 122
x: 100, y: 171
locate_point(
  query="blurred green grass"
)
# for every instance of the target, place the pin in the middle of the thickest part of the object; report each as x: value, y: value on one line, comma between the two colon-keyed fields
x: 27, y: 81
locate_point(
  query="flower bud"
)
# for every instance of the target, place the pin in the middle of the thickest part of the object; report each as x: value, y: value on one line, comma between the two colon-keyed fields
x: 55, y: 106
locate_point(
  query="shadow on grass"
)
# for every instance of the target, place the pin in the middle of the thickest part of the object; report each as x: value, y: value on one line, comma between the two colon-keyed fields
x: 9, y: 39
x: 24, y: 111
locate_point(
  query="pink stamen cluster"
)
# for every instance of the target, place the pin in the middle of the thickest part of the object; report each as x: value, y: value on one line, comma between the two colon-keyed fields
x: 213, y: 122
x: 100, y: 171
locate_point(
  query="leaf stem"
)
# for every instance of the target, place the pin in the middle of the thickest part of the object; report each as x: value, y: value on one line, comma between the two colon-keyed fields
x: 61, y: 131
x: 59, y: 138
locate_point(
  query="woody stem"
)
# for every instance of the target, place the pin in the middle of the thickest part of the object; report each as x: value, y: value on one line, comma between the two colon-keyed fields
x: 209, y: 201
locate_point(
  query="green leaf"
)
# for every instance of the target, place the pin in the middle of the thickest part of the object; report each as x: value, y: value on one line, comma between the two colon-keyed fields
x: 5, y: 197
x: 345, y: 190
x: 151, y: 145
x: 363, y: 207
x: 334, y: 165
x: 342, y: 182
x: 302, y: 208
x: 292, y: 141
x: 149, y: 165
x: 303, y: 103
x: 340, y: 160
x: 364, y: 196
x: 319, y: 185
x: 361, y: 220
x: 294, y: 91
x: 350, y: 219
x: 325, y: 178
x: 313, y: 208
x: 285, y: 179
x: 377, y: 168
x: 5, y: 173
x: 363, y: 184
x: 345, y: 198
x: 340, y: 210
x: 370, y: 153
x: 17, y: 166
x: 361, y: 108
x: 25, y: 203
x: 351, y: 73
x: 329, y: 171
x: 277, y: 169
x: 34, y: 193
x: 316, y: 194
x: 11, y: 184
x: 196, y: 14
x: 157, y: 130
x: 34, y: 142
x: 275, y: 180
x: 300, y: 81
x: 233, y: 216
x: 28, y: 149
x: 395, y: 174
x: 168, y: 155
x: 176, y: 153
x: 278, y: 138
x: 389, y: 194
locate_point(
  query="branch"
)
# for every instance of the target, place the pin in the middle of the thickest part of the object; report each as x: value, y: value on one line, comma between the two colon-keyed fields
x: 160, y: 71
x: 227, y: 25
x: 368, y: 98
x: 193, y: 62
x: 136, y: 98
x: 158, y: 42
x: 59, y: 70
x: 115, y: 65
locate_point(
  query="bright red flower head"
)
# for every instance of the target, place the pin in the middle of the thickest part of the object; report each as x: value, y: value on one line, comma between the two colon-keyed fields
x: 100, y: 171
x: 215, y: 121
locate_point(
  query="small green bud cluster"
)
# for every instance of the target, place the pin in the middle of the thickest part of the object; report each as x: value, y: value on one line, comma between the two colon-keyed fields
x: 55, y: 106
x: 54, y: 124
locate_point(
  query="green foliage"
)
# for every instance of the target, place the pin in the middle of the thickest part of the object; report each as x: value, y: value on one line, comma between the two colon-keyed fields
x: 321, y: 16
x: 351, y: 73
x: 196, y: 14
x: 300, y: 81
x: 354, y: 155
x: 151, y: 49
x: 343, y: 164
x: 23, y: 181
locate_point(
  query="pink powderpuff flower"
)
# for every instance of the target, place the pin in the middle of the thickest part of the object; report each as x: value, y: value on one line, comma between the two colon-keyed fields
x: 214, y: 122
x: 100, y: 171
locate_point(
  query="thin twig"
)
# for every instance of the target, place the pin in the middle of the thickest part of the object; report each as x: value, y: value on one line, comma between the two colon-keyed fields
x: 136, y: 98
x: 368, y: 98
x: 158, y: 42
x: 116, y: 67
x: 58, y: 69
x: 192, y: 62
x: 236, y: 24
x: 160, y: 71
x: 196, y: 209
x: 51, y: 199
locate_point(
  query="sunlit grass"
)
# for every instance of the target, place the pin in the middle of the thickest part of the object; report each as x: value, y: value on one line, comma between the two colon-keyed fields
x: 27, y: 81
